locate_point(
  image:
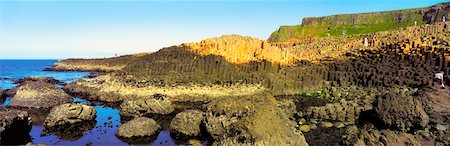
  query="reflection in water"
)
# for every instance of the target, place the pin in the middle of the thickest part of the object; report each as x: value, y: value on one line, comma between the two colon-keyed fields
x: 6, y: 101
x: 72, y: 132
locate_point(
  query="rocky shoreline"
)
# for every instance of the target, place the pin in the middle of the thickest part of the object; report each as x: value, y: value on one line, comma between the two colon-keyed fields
x: 236, y: 90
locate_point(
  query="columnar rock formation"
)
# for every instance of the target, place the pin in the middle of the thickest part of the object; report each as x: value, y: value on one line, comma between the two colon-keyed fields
x: 240, y: 49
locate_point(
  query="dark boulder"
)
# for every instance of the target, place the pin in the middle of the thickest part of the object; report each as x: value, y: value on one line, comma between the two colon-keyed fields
x: 139, y: 130
x: 14, y: 127
x: 37, y: 78
x: 400, y: 111
x: 369, y: 135
x: 187, y: 123
x: 69, y: 121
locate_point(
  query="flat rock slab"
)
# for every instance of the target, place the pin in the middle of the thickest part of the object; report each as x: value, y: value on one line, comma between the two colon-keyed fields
x: 38, y: 94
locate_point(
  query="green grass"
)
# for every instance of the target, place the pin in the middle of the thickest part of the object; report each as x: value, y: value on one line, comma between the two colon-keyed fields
x: 363, y: 23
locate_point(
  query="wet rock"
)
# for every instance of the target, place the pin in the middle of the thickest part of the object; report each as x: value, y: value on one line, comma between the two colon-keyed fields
x: 14, y: 127
x: 250, y: 120
x: 70, y: 113
x: 38, y: 94
x: 324, y: 136
x: 401, y: 111
x: 146, y: 107
x: 368, y: 135
x: 37, y: 78
x: 139, y: 130
x: 187, y: 123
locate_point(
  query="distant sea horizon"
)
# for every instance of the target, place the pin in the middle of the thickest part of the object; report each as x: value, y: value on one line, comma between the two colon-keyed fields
x: 13, y: 69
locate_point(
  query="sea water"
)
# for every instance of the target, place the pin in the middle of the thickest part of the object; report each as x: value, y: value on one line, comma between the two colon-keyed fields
x: 107, y: 120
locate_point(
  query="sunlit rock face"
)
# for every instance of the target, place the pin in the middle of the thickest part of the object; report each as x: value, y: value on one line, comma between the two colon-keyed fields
x: 241, y: 49
x: 38, y: 94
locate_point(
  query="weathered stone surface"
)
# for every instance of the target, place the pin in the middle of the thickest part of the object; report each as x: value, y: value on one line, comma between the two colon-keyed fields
x: 38, y: 94
x: 252, y: 120
x: 401, y: 111
x: 14, y: 127
x: 146, y: 107
x: 139, y: 130
x: 287, y: 106
x: 187, y: 123
x: 37, y: 78
x: 368, y: 135
x: 342, y: 111
x: 70, y: 113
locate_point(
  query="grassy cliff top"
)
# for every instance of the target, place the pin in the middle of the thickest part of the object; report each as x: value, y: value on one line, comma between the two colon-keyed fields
x: 361, y: 23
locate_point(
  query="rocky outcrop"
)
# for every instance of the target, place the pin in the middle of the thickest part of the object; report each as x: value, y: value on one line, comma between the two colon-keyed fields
x: 139, y: 130
x: 14, y: 127
x: 38, y: 94
x: 70, y: 121
x: 368, y: 135
x: 253, y: 120
x: 78, y: 89
x: 436, y: 102
x: 69, y: 113
x: 157, y: 105
x: 37, y: 78
x: 400, y: 111
x: 187, y: 124
x: 95, y: 65
x: 343, y: 111
x: 241, y: 49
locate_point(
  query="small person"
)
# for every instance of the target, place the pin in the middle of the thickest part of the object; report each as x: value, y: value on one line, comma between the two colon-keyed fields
x: 439, y: 78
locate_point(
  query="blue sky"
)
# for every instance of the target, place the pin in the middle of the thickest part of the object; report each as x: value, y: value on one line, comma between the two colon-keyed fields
x: 67, y: 29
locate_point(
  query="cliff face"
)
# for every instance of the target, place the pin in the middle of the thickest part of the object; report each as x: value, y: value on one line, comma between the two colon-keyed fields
x: 362, y: 23
x: 240, y: 49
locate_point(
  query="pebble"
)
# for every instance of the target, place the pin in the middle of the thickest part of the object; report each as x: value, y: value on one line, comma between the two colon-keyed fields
x: 314, y: 121
x: 305, y: 128
x: 339, y: 125
x: 327, y: 124
x: 301, y: 121
x: 441, y: 127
